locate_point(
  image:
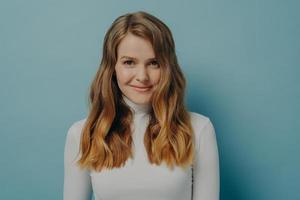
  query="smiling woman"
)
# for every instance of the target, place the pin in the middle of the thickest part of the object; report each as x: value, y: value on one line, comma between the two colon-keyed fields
x: 137, y: 69
x: 138, y: 141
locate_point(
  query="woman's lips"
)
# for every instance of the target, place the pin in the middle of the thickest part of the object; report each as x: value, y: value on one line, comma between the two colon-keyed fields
x: 141, y: 89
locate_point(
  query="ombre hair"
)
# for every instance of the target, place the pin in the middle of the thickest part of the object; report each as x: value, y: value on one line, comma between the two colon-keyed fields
x: 106, y: 140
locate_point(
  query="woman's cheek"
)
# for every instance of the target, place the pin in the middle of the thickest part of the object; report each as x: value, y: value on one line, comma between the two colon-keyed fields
x: 127, y: 74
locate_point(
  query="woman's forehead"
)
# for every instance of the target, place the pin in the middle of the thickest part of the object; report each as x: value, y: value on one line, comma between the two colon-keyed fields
x: 135, y: 47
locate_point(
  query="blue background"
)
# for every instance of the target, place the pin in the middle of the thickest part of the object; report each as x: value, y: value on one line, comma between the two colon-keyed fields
x: 240, y: 58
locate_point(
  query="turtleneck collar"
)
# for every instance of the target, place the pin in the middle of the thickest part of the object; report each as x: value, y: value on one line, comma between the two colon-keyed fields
x: 137, y: 108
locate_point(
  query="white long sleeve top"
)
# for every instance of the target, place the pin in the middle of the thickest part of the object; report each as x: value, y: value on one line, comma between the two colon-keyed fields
x: 138, y: 179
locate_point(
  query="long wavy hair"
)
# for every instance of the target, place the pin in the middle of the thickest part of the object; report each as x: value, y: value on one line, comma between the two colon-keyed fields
x: 106, y: 139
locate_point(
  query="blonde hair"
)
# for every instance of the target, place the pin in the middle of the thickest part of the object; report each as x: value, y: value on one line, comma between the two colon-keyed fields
x: 106, y: 140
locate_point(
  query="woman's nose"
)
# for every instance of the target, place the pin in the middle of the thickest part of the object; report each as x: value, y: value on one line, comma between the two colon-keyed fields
x: 142, y: 74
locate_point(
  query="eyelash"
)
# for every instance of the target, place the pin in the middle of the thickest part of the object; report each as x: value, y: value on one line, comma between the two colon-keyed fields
x: 130, y: 62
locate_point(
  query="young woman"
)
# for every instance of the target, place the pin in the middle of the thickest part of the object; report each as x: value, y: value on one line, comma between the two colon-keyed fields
x: 138, y: 141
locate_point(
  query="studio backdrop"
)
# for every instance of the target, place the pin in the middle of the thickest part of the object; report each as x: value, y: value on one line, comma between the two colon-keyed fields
x: 240, y: 59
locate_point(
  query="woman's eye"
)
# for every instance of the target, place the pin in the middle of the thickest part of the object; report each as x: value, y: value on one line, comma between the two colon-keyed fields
x: 128, y: 62
x: 154, y: 63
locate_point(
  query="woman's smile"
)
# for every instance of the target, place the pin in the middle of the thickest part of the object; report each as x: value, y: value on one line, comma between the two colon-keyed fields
x: 141, y: 89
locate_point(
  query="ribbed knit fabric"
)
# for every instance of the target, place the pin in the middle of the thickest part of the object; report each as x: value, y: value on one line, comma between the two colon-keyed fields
x: 140, y: 180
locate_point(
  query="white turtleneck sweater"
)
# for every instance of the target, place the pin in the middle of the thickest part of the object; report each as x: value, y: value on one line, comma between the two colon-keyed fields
x: 138, y: 179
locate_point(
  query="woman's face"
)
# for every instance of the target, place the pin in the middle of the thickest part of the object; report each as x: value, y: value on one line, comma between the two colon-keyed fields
x: 137, y: 70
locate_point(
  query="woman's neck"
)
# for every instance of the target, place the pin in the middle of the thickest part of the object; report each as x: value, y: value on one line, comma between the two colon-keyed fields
x: 137, y: 108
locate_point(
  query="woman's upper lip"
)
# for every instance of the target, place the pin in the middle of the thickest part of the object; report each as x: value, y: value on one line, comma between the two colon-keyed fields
x: 141, y: 86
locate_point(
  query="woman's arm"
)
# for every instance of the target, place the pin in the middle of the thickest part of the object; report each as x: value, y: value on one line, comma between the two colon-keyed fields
x: 77, y: 182
x: 206, y: 180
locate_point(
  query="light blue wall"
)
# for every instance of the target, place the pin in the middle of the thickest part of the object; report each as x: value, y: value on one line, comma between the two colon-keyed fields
x: 240, y: 58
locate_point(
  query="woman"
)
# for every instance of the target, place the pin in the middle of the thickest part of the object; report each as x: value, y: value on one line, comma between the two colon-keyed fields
x: 138, y: 141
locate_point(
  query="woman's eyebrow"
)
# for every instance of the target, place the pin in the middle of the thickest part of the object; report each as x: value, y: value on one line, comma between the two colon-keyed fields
x: 132, y: 58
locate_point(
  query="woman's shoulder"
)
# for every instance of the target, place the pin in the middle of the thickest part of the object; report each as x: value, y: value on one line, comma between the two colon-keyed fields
x: 198, y: 120
x: 202, y: 127
x: 75, y: 128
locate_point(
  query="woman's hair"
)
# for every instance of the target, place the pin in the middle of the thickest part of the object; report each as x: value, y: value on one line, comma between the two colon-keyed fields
x: 106, y: 140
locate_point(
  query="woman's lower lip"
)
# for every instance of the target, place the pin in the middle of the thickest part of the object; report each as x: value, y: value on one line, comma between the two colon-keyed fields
x: 141, y: 89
